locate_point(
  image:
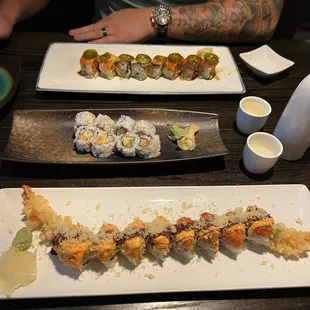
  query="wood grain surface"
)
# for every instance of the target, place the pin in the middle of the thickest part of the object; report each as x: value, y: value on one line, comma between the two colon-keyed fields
x: 31, y: 47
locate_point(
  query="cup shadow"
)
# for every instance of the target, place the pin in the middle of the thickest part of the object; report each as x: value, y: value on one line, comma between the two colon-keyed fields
x: 256, y: 177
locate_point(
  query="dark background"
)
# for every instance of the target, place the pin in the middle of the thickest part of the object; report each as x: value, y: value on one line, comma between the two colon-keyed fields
x: 62, y: 15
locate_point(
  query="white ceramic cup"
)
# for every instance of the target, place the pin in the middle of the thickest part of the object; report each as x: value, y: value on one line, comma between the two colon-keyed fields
x: 248, y: 123
x: 261, y: 152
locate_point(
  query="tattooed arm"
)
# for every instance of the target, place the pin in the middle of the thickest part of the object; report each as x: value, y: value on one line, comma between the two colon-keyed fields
x: 226, y: 20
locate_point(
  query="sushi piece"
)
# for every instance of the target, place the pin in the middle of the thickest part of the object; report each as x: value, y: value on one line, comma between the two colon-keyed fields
x: 106, y: 247
x: 124, y: 124
x: 84, y: 119
x: 89, y: 64
x: 156, y: 68
x: 127, y: 144
x: 72, y: 246
x: 123, y: 66
x: 149, y: 146
x: 259, y: 226
x: 172, y: 66
x: 133, y: 242
x: 105, y: 123
x: 83, y: 138
x: 208, y: 235
x: 190, y: 68
x: 159, y: 237
x: 185, y: 238
x: 234, y: 232
x: 103, y: 144
x: 140, y: 67
x: 107, y: 66
x: 144, y: 128
x: 207, y: 66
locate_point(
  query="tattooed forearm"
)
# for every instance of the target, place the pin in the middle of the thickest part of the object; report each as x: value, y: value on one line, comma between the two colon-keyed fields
x: 226, y: 20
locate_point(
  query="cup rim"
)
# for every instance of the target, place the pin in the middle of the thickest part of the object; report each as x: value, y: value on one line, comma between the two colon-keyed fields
x: 269, y: 135
x: 259, y: 99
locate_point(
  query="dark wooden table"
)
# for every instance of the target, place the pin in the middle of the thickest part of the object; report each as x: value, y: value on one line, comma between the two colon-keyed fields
x: 31, y: 47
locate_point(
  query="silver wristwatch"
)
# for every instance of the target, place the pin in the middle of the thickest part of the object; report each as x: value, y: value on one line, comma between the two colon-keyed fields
x: 161, y: 18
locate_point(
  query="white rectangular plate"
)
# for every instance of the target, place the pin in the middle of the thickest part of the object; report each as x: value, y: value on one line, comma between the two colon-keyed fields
x: 91, y: 206
x: 59, y: 71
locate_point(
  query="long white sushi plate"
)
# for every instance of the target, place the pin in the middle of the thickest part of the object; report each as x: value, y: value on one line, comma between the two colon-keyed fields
x: 92, y: 206
x: 59, y: 71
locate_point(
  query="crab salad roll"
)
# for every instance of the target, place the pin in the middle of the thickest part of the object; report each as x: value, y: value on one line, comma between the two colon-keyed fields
x: 105, y: 123
x: 189, y: 70
x: 83, y: 138
x: 107, y: 66
x: 156, y: 68
x: 123, y: 66
x: 172, y: 66
x: 124, y: 124
x: 140, y: 67
x: 133, y: 241
x: 89, y: 64
x: 103, y: 144
x: 149, y: 147
x: 127, y: 144
x: 144, y: 128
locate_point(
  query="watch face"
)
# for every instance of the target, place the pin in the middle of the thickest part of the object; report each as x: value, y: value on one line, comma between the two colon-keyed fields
x: 162, y: 15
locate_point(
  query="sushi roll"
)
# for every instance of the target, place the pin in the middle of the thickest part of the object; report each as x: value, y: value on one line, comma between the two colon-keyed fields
x: 84, y: 119
x: 259, y: 226
x: 83, y: 138
x: 159, y: 237
x: 144, y: 128
x: 172, y: 66
x: 105, y: 247
x: 208, y: 235
x: 107, y: 66
x: 156, y: 68
x: 189, y: 70
x: 234, y: 232
x: 140, y: 67
x: 124, y: 124
x: 103, y: 144
x: 207, y: 66
x: 149, y: 146
x: 127, y: 144
x: 185, y: 238
x: 105, y: 123
x: 133, y: 242
x: 72, y: 246
x: 123, y: 66
x: 89, y: 64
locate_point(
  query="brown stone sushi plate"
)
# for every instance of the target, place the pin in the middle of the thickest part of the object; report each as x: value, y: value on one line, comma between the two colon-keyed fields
x: 46, y: 136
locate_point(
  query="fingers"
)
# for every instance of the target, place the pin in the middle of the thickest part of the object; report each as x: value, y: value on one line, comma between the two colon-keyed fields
x: 78, y: 31
x: 108, y: 39
x: 89, y: 36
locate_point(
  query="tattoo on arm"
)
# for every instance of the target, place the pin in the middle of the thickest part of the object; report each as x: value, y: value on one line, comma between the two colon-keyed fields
x: 227, y: 20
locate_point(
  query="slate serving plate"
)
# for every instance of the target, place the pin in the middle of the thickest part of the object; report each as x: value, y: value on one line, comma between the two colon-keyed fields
x: 46, y: 136
x: 9, y: 78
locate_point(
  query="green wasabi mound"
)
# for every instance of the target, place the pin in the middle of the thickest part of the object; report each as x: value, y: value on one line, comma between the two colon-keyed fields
x: 22, y: 240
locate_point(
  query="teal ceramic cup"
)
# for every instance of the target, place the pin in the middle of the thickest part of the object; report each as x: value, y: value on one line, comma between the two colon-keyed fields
x: 6, y: 83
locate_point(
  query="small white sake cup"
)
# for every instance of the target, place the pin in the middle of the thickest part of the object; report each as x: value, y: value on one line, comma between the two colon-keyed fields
x: 261, y: 152
x: 248, y: 123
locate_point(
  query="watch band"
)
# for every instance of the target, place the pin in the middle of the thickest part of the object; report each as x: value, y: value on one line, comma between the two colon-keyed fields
x: 162, y: 31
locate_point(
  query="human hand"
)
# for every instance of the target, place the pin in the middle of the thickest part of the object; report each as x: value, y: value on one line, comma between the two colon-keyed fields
x: 124, y: 26
x: 6, y: 26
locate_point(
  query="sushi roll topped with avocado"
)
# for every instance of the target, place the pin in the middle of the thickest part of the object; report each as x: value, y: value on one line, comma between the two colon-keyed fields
x: 89, y: 64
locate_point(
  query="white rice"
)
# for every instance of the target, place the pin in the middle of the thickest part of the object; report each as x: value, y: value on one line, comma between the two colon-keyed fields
x: 203, y: 247
x: 152, y: 150
x: 105, y: 123
x: 259, y: 241
x: 124, y: 124
x: 161, y: 256
x: 144, y: 128
x: 83, y: 119
x: 235, y: 251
